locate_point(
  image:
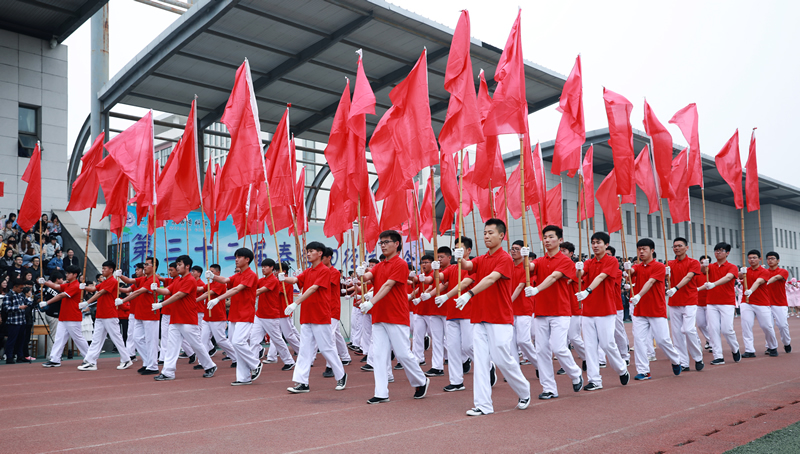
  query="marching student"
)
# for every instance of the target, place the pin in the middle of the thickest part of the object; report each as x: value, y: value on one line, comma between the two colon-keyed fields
x: 419, y: 310
x: 779, y: 306
x: 620, y: 335
x: 242, y: 292
x: 366, y: 320
x: 172, y: 272
x: 69, y: 315
x: 683, y: 305
x: 182, y: 295
x: 552, y: 273
x: 106, y: 319
x: 576, y: 320
x: 217, y: 318
x: 268, y: 313
x: 435, y: 319
x: 285, y: 322
x: 523, y: 306
x: 334, y: 294
x: 700, y: 282
x: 145, y: 319
x: 315, y: 320
x: 205, y: 331
x: 755, y: 304
x: 721, y: 303
x: 650, y: 310
x: 599, y: 312
x: 390, y: 320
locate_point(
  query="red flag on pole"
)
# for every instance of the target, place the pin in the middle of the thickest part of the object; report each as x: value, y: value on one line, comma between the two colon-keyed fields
x: 426, y: 211
x: 132, y: 150
x: 278, y: 160
x: 537, y: 193
x: 395, y: 210
x: 729, y: 165
x: 178, y: 186
x: 751, y: 176
x: 513, y: 194
x: 587, y: 211
x: 552, y: 209
x: 500, y: 204
x: 363, y: 103
x: 209, y: 201
x: 448, y: 182
x: 662, y: 148
x: 300, y: 212
x: 572, y: 128
x: 679, y: 182
x: 115, y: 184
x: 509, y: 106
x: 609, y: 203
x: 646, y: 180
x: 85, y: 187
x: 488, y: 157
x: 618, y: 111
x: 31, y: 209
x: 686, y: 119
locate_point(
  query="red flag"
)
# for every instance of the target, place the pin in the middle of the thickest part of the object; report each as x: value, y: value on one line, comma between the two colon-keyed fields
x: 395, y: 210
x: 500, y: 205
x: 411, y: 226
x: 426, y: 211
x: 403, y: 143
x: 31, y: 209
x: 363, y: 103
x: 587, y: 211
x: 179, y: 186
x: 339, y: 219
x: 132, y: 150
x: 679, y: 182
x: 278, y: 160
x: 209, y: 202
x: 686, y: 119
x: 447, y: 220
x: 115, y: 184
x: 609, y: 203
x: 646, y: 180
x: 152, y: 226
x: 552, y: 211
x: 85, y: 187
x: 462, y: 126
x: 484, y: 197
x: 300, y: 211
x: 448, y: 182
x: 751, y: 176
x: 513, y: 193
x: 729, y: 165
x: 488, y: 157
x: 509, y: 106
x: 532, y: 195
x: 572, y: 128
x: 466, y: 193
x: 662, y: 149
x: 370, y: 222
x: 2, y: 188
x: 618, y: 111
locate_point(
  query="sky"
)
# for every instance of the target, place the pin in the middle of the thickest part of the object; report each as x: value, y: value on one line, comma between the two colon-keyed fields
x: 735, y: 59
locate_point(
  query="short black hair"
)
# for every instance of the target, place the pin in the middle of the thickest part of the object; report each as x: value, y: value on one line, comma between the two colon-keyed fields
x: 519, y: 243
x: 724, y: 246
x: 611, y: 250
x: 140, y: 266
x: 110, y: 264
x: 328, y: 252
x: 246, y: 253
x: 501, y: 226
x: 198, y: 269
x: 375, y: 261
x: 56, y: 275
x: 268, y: 262
x: 381, y: 257
x: 466, y: 242
x: 185, y: 259
x: 681, y: 239
x: 646, y: 242
x: 773, y: 254
x: 426, y: 257
x: 153, y: 260
x: 568, y: 246
x: 72, y: 269
x: 392, y: 235
x: 216, y: 267
x: 703, y: 257
x: 70, y: 249
x: 755, y: 252
x: 172, y: 265
x: 316, y: 246
x: 601, y: 236
x: 444, y: 250
x: 553, y: 228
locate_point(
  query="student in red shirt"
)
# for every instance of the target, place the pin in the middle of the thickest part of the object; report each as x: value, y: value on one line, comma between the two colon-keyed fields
x: 700, y: 282
x: 683, y: 305
x: 145, y: 319
x: 106, y: 320
x: 217, y: 318
x: 434, y: 318
x: 650, y: 310
x: 69, y: 316
x: 182, y: 293
x: 599, y: 313
x: 268, y: 314
x: 778, y: 303
x: 575, y: 321
x: 205, y: 331
x: 523, y: 306
x: 166, y: 312
x: 335, y: 296
x: 242, y: 292
x: 721, y: 304
x: 755, y: 304
x: 390, y: 320
x: 315, y: 320
x: 285, y: 322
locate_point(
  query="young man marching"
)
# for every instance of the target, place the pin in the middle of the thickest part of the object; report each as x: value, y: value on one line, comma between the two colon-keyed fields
x: 69, y: 316
x: 268, y: 315
x: 650, y: 310
x: 218, y: 318
x: 778, y: 303
x: 574, y: 336
x: 435, y: 319
x: 335, y: 297
x: 523, y: 306
x: 146, y: 320
x: 700, y: 282
x: 755, y: 304
x: 106, y: 321
x: 721, y: 304
x: 683, y: 305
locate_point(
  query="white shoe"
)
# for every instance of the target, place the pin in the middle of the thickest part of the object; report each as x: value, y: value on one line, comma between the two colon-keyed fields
x: 87, y: 366
x: 125, y: 365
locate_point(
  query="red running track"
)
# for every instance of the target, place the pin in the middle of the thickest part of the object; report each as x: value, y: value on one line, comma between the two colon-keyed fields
x: 63, y: 409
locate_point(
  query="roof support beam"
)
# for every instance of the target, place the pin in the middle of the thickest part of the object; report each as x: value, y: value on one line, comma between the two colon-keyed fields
x: 81, y: 15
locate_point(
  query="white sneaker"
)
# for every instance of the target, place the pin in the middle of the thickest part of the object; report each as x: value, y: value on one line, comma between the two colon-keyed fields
x: 125, y: 365
x: 87, y: 366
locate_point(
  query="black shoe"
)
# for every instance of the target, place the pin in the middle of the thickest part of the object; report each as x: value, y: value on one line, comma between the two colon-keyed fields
x: 398, y: 366
x: 752, y: 355
x: 717, y: 361
x: 328, y: 373
x: 241, y: 383
x: 577, y: 386
x: 685, y: 369
x: 592, y: 387
x: 423, y: 363
x: 261, y: 353
x: 698, y: 366
x: 198, y: 367
x: 364, y: 359
x: 435, y: 373
x: 346, y: 362
x: 676, y: 369
x: 453, y: 388
x: 287, y: 367
x: 787, y: 348
x: 546, y: 396
x: 625, y: 378
x: 378, y: 400
x: 561, y: 372
x: 299, y: 388
x: 492, y: 376
x: 182, y: 355
x: 139, y: 370
x: 583, y: 365
x: 537, y: 373
x: 150, y: 372
x: 192, y: 359
x: 133, y: 358
x: 422, y: 390
x: 209, y: 372
x: 162, y: 377
x: 467, y: 366
x: 773, y: 352
x: 212, y: 352
x: 367, y: 368
x: 707, y: 346
x: 427, y: 342
x: 226, y: 358
x: 233, y: 365
x: 737, y: 356
x: 255, y: 373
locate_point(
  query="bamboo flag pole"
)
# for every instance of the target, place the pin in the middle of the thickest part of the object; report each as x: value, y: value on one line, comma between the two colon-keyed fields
x: 85, y: 250
x: 760, y: 239
x: 435, y: 233
x: 705, y: 229
x: 525, y: 259
x: 188, y: 251
x: 624, y: 247
x: 166, y: 245
x: 41, y: 268
x: 746, y: 298
x: 636, y: 229
x: 460, y: 220
x: 361, y: 242
x: 475, y: 232
x: 202, y: 211
x: 508, y: 217
x: 581, y: 204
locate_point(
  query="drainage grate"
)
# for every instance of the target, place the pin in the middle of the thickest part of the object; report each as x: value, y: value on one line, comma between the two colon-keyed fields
x: 711, y: 433
x: 684, y: 443
x: 759, y: 415
x: 777, y: 408
x: 737, y: 423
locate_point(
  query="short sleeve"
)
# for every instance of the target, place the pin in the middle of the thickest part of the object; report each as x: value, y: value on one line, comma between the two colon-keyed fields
x: 506, y: 268
x: 187, y: 286
x: 695, y: 267
x: 301, y: 279
x: 659, y: 273
x: 784, y: 273
x: 322, y: 278
x: 610, y: 267
x: 476, y: 264
x: 398, y: 272
x: 567, y: 268
x: 249, y: 280
x: 73, y: 288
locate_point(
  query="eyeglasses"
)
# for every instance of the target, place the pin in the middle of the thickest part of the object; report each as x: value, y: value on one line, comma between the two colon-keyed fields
x: 385, y: 242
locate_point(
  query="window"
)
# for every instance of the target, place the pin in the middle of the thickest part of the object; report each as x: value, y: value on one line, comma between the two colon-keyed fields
x: 669, y: 228
x: 738, y: 239
x: 605, y: 223
x: 702, y: 234
x: 638, y: 223
x: 650, y: 226
x: 777, y: 237
x: 717, y: 229
x: 564, y: 210
x: 694, y: 234
x: 794, y: 237
x: 628, y: 222
x: 686, y: 230
x: 723, y: 236
x: 708, y: 235
x: 29, y: 126
x: 677, y: 230
x: 658, y: 227
x: 733, y: 240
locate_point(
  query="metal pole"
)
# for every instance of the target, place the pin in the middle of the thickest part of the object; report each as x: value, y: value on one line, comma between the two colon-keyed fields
x: 435, y: 233
x: 460, y: 221
x: 99, y: 67
x: 747, y: 299
x: 524, y: 208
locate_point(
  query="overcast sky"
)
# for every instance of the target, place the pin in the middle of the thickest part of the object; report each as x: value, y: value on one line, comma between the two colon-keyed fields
x: 735, y: 59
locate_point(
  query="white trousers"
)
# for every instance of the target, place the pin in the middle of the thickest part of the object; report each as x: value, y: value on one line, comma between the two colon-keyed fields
x: 246, y: 358
x: 355, y: 326
x: 272, y: 328
x: 764, y: 315
x: 574, y: 336
x: 493, y: 345
x: 338, y: 339
x: 598, y: 333
x: 165, y: 340
x: 290, y: 334
x: 683, y: 323
x: 178, y: 333
x: 130, y: 342
x: 205, y: 332
x: 642, y: 327
x: 217, y: 329
x: 313, y: 337
x: 521, y: 339
x: 780, y: 314
x: 621, y: 336
x: 420, y: 327
x: 103, y: 327
x: 702, y: 323
x: 551, y: 333
x: 436, y: 324
x: 719, y: 322
x: 67, y: 330
x: 366, y: 334
x: 388, y: 337
x: 146, y: 341
x: 459, y: 340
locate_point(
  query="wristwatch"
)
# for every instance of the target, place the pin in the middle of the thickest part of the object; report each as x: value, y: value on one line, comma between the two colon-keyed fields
x: 589, y: 290
x: 470, y: 293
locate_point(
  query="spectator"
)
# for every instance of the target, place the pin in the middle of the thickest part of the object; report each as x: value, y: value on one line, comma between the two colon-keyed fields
x: 27, y: 328
x: 40, y: 226
x: 11, y: 243
x: 70, y: 259
x: 16, y: 269
x: 50, y: 248
x: 12, y: 218
x: 34, y: 268
x: 29, y: 249
x: 7, y: 261
x: 14, y: 304
x: 8, y: 228
x: 54, y: 230
x: 56, y: 263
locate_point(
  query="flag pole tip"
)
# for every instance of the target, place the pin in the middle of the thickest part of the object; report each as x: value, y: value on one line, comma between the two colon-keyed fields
x: 288, y: 104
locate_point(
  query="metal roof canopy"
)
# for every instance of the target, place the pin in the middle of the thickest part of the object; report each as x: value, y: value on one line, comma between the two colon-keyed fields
x: 47, y: 19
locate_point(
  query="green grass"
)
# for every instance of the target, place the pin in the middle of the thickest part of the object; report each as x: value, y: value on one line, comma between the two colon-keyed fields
x: 786, y: 440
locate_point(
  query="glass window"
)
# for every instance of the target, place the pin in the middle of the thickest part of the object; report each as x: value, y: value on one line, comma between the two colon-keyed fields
x: 694, y: 234
x: 638, y: 222
x: 658, y: 227
x: 777, y: 237
x: 733, y: 240
x: 669, y: 228
x: 628, y: 222
x: 650, y: 226
x: 702, y: 234
x: 28, y: 130
x: 564, y: 211
x: 738, y: 239
x: 723, y: 236
x: 27, y: 120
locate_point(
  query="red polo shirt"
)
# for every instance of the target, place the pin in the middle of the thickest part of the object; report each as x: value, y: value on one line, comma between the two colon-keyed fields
x: 761, y: 296
x: 105, y: 303
x: 450, y: 275
x: 218, y: 313
x: 392, y: 308
x: 523, y: 305
x: 69, y: 311
x: 554, y: 300
x: 143, y: 308
x: 603, y: 300
x: 335, y: 293
x: 268, y: 304
x: 654, y: 302
x: 184, y: 311
x: 777, y: 290
x: 243, y: 304
x: 493, y: 305
x: 699, y: 281
x: 317, y: 307
x: 686, y: 295
x: 722, y: 294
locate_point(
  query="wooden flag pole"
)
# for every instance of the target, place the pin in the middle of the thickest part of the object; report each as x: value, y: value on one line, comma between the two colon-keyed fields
x: 580, y: 233
x: 155, y: 234
x: 41, y: 268
x: 475, y: 233
x: 85, y: 250
x: 434, y: 234
x: 624, y: 247
x: 187, y: 235
x: 664, y: 234
x: 353, y: 246
x: 744, y: 260
x: 275, y: 237
x: 525, y: 260
x: 760, y: 239
x: 508, y: 217
x: 705, y: 228
x: 361, y: 242
x: 636, y: 229
x: 461, y: 214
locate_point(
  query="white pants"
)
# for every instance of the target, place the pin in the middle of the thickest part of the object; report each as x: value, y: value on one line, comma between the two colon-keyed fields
x: 272, y: 328
x: 165, y: 340
x: 388, y: 337
x: 682, y: 321
x: 436, y: 325
x: 217, y: 329
x: 521, y: 339
x: 764, y: 316
x: 130, y: 343
x: 551, y: 333
x: 719, y: 322
x: 493, y: 345
x: 313, y: 337
x: 366, y: 335
x: 621, y: 336
x: 642, y: 327
x: 355, y: 326
x: 246, y: 358
x: 178, y: 333
x: 574, y: 336
x: 598, y: 332
x: 146, y: 340
x: 103, y: 326
x: 67, y: 330
x: 292, y: 338
x: 702, y: 323
x: 459, y: 340
x: 338, y: 340
x: 780, y: 314
x: 205, y: 332
x: 420, y: 327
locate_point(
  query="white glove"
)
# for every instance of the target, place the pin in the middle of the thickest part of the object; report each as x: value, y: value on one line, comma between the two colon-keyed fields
x: 458, y: 253
x: 416, y: 301
x: 578, y: 266
x: 582, y: 295
x: 40, y: 281
x: 117, y: 273
x: 341, y: 281
x: 365, y: 307
x: 525, y: 251
x: 435, y: 265
x: 412, y: 274
x: 153, y: 286
x: 83, y: 305
x: 710, y: 285
x: 290, y: 308
x: 360, y: 270
x: 410, y: 296
x: 281, y: 277
x: 212, y: 303
x: 704, y: 262
x: 462, y: 301
x: 626, y: 265
x: 344, y: 292
x: 440, y: 300
x: 209, y: 275
x: 348, y: 281
x: 531, y: 291
x: 624, y: 274
x: 43, y: 304
x: 743, y: 270
x: 627, y: 286
x: 635, y: 299
x: 368, y: 296
x: 748, y: 292
x: 666, y: 269
x: 157, y: 306
x: 118, y: 302
x: 425, y: 296
x: 422, y: 277
x: 82, y: 286
x: 671, y: 292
